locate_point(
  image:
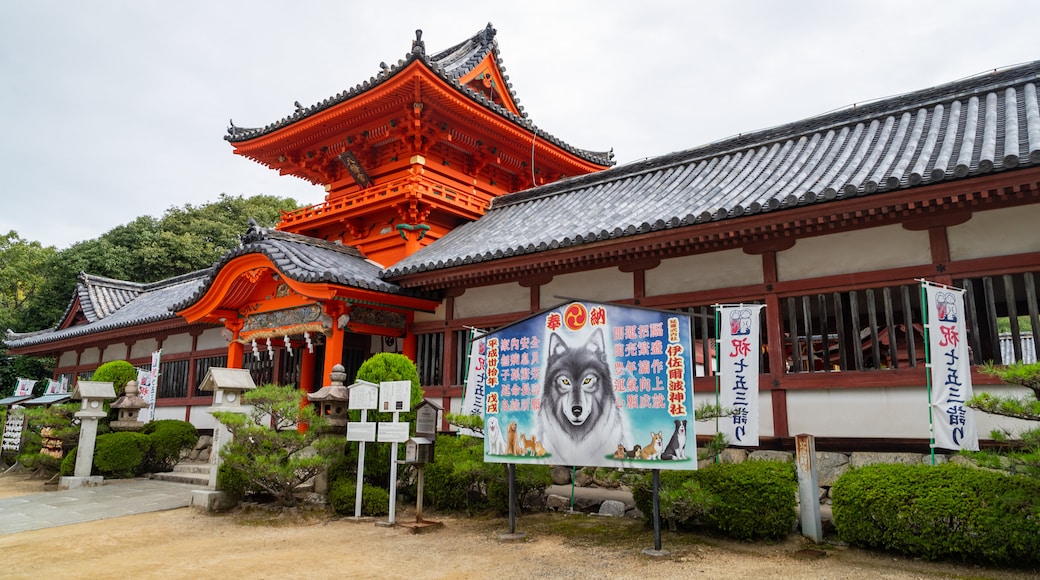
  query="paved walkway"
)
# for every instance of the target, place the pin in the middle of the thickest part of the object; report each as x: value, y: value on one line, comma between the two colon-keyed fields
x: 118, y: 497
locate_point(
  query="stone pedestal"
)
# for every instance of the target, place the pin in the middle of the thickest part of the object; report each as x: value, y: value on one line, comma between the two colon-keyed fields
x: 77, y: 482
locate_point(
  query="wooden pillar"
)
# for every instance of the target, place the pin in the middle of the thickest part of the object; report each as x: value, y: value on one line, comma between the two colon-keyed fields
x: 235, y: 349
x: 334, y: 342
x: 410, y: 345
x: 307, y: 371
x: 775, y: 338
x: 940, y: 247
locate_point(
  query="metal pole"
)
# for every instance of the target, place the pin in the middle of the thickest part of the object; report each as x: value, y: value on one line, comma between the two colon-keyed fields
x: 574, y: 472
x: 418, y: 500
x: 512, y: 498
x: 360, y: 470
x: 928, y: 366
x: 657, y: 510
x: 393, y: 476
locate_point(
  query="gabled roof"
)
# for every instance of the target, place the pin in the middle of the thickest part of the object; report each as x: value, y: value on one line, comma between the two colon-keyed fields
x: 303, y: 259
x: 123, y: 304
x: 984, y: 124
x: 450, y: 65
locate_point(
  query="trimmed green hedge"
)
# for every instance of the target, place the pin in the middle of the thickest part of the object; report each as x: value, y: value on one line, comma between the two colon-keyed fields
x: 120, y: 455
x: 748, y: 501
x: 169, y: 439
x: 375, y: 501
x: 946, y: 511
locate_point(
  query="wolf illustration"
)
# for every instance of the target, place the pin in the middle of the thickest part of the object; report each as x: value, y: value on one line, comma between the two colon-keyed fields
x: 579, y: 420
x: 676, y: 448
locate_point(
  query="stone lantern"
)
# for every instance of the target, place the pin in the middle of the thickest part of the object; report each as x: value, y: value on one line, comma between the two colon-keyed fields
x: 128, y: 406
x: 332, y: 399
x: 92, y: 395
x: 228, y: 386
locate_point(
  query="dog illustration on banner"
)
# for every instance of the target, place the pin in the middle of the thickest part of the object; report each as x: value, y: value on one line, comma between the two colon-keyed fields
x: 579, y: 416
x: 496, y: 441
x: 676, y: 448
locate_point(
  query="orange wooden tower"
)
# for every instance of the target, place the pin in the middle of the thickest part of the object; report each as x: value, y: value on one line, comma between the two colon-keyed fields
x: 415, y: 151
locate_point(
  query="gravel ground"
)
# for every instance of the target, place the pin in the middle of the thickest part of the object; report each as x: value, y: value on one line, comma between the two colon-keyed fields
x: 262, y: 544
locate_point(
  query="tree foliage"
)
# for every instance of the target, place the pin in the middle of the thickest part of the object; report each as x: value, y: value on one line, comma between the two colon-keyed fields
x: 268, y: 450
x: 1024, y: 454
x: 148, y: 249
x: 21, y: 276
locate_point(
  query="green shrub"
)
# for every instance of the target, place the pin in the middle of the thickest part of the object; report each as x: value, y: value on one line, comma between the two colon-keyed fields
x: 455, y: 481
x: 234, y: 482
x: 120, y: 455
x: 68, y: 465
x: 117, y: 372
x: 748, y: 501
x: 169, y: 439
x: 375, y: 501
x: 946, y: 511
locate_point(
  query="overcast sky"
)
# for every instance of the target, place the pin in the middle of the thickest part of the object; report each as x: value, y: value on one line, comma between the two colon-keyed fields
x: 113, y: 110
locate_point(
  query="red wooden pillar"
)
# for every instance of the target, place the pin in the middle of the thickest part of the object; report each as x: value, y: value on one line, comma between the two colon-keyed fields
x: 307, y: 371
x: 235, y: 349
x: 410, y: 344
x: 775, y: 338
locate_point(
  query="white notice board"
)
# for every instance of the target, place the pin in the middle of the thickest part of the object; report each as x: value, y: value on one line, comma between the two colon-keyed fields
x: 395, y: 396
x: 363, y: 397
x: 391, y: 432
x: 361, y: 432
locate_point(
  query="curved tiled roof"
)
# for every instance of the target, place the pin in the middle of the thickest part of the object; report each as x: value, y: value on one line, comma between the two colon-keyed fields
x: 450, y: 65
x: 304, y: 259
x: 983, y: 124
x: 150, y: 303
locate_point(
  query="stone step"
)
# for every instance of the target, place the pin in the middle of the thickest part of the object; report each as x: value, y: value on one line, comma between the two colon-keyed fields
x: 199, y: 479
x: 186, y: 467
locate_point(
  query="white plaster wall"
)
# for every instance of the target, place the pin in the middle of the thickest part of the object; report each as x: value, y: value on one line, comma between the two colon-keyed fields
x: 144, y: 348
x: 999, y: 232
x: 200, y: 417
x: 211, y: 338
x: 704, y: 272
x: 67, y: 359
x: 435, y: 316
x: 765, y: 414
x: 114, y: 352
x: 867, y: 250
x: 177, y: 344
x: 603, y: 285
x: 90, y: 356
x: 485, y: 300
x: 891, y: 412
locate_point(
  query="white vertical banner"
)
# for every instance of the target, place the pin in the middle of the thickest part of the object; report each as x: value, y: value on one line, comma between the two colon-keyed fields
x: 738, y: 348
x: 24, y: 388
x: 53, y: 388
x: 476, y: 376
x: 148, y: 384
x: 953, y: 422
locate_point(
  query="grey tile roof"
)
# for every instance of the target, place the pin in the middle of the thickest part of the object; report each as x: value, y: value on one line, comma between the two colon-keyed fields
x: 149, y: 303
x: 305, y: 259
x: 983, y: 124
x: 450, y: 64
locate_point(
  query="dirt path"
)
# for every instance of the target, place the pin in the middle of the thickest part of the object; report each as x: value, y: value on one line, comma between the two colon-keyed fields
x: 192, y: 544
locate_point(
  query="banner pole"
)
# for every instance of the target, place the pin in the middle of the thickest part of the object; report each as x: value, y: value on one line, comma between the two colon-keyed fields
x: 928, y: 367
x: 718, y: 369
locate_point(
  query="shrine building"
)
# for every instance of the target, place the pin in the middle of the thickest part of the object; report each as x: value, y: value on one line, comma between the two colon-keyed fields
x: 447, y: 209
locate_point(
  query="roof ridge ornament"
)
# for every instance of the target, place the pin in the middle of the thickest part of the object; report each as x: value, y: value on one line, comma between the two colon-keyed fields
x: 255, y: 233
x: 418, y: 46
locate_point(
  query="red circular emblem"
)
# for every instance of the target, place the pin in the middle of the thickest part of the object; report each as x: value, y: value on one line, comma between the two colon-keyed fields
x: 575, y: 316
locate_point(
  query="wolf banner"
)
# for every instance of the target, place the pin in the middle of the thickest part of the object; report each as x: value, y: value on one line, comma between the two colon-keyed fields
x: 591, y: 384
